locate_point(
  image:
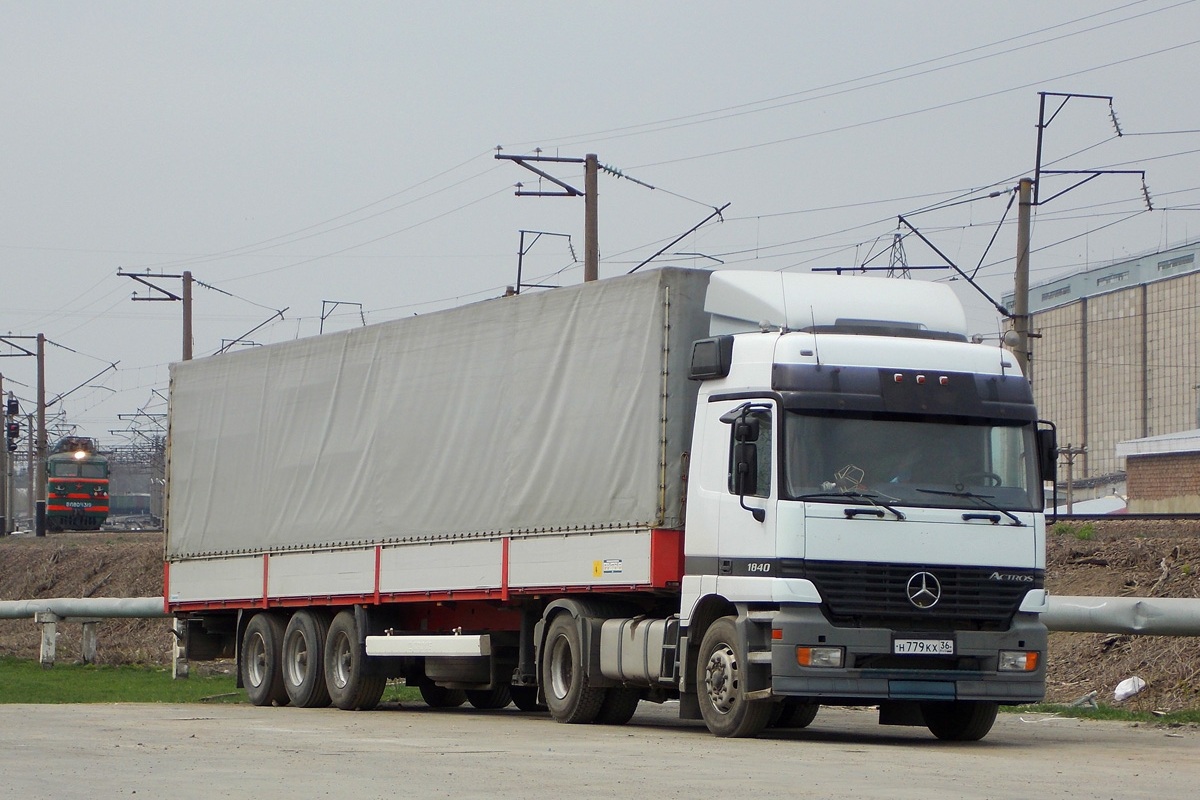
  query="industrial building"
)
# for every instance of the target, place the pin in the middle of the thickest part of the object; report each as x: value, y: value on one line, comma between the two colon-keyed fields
x: 1116, y: 358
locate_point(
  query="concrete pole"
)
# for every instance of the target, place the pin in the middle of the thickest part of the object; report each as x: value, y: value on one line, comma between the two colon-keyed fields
x: 187, y: 315
x: 591, y: 225
x: 30, y: 472
x: 1021, y: 276
x: 40, y: 487
x: 5, y: 460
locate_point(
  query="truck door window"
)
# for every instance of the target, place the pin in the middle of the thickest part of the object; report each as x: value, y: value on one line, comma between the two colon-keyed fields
x: 763, y: 456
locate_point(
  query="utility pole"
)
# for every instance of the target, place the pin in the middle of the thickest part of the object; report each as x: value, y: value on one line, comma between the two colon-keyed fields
x: 187, y: 315
x: 39, y: 528
x: 5, y: 460
x: 1070, y: 452
x: 30, y: 472
x: 37, y: 494
x: 1021, y: 276
x: 185, y: 297
x: 590, y: 193
x: 591, y: 241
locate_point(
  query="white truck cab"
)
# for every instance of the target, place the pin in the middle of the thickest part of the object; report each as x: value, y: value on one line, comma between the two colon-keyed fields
x: 865, y: 501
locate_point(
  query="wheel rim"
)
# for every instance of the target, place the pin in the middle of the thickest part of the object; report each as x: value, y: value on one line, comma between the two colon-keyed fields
x: 561, y: 668
x: 256, y: 660
x: 721, y: 678
x: 341, y: 660
x: 295, y: 660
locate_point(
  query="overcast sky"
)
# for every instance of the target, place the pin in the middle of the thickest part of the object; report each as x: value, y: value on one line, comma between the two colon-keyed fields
x: 289, y: 154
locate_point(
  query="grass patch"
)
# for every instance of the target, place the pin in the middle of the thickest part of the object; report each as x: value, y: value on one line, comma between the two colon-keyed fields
x: 1085, y: 532
x: 24, y: 681
x: 1110, y: 713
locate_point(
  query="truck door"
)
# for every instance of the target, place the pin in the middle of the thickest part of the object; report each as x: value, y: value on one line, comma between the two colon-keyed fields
x: 746, y: 532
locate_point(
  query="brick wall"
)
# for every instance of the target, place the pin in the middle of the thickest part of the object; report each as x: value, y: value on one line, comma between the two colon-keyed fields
x: 1164, y: 483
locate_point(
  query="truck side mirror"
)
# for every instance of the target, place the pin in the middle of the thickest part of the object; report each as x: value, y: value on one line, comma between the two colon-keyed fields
x: 745, y: 475
x: 745, y: 468
x: 746, y: 429
x: 1047, y: 446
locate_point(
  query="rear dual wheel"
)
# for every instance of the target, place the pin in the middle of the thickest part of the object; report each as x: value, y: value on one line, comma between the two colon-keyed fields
x: 489, y: 699
x: 353, y: 686
x: 303, y: 660
x: 439, y: 696
x: 262, y: 674
x: 569, y: 695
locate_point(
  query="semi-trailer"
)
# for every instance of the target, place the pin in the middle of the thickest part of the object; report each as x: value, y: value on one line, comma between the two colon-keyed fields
x: 753, y: 493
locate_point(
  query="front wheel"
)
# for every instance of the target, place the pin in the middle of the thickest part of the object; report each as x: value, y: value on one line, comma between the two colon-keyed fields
x: 793, y: 713
x: 721, y: 675
x: 568, y: 693
x: 959, y: 722
x: 352, y: 687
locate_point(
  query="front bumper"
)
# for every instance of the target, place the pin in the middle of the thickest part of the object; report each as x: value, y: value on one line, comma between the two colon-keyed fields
x: 870, y: 673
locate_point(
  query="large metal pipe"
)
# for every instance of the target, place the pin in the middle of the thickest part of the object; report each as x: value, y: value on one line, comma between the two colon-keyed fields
x: 88, y: 607
x: 1151, y: 616
x: 1154, y: 616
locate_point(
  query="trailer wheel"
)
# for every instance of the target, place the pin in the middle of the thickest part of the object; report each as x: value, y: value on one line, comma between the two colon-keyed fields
x: 351, y: 686
x: 303, y: 660
x: 568, y: 694
x: 262, y: 648
x: 489, y: 699
x: 960, y: 722
x: 525, y: 698
x: 619, y: 705
x: 440, y: 697
x: 793, y: 713
x: 720, y: 684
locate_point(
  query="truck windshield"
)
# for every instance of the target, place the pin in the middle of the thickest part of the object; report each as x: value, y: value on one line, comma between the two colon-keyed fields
x: 897, y: 458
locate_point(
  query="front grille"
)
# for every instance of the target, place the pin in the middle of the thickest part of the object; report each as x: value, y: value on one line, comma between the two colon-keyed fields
x: 868, y: 595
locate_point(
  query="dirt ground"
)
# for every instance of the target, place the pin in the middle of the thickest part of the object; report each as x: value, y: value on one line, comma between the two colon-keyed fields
x: 1121, y: 557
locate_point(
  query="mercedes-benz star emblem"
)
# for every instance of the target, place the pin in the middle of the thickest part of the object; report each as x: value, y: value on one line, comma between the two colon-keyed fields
x: 924, y: 590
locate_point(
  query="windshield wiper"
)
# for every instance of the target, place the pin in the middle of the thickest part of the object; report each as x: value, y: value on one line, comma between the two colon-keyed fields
x: 873, y: 499
x: 982, y: 498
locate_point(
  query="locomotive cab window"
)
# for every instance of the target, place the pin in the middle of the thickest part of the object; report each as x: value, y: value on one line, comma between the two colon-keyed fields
x: 92, y: 470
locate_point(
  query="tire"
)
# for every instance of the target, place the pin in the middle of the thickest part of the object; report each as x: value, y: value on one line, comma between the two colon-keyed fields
x: 261, y: 657
x: 440, y: 697
x: 618, y: 706
x: 352, y: 687
x: 525, y: 698
x: 959, y: 722
x: 720, y: 685
x: 489, y: 699
x: 569, y: 696
x: 304, y: 660
x: 793, y: 713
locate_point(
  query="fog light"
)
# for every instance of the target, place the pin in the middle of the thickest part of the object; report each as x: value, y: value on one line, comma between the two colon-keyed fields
x: 829, y: 657
x: 1018, y: 660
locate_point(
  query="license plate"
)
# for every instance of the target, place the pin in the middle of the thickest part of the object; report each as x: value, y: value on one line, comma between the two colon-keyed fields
x: 76, y: 504
x: 923, y: 647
